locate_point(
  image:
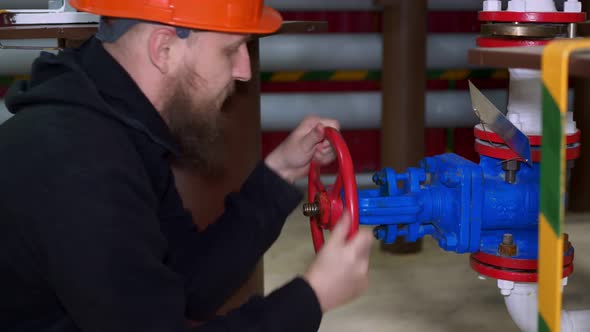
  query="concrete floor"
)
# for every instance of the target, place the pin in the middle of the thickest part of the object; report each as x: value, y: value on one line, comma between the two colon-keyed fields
x: 430, y: 291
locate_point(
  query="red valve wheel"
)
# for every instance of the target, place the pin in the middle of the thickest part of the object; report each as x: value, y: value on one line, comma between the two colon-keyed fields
x: 325, y: 203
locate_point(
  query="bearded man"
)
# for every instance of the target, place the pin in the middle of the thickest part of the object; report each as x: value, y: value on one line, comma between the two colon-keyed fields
x: 94, y: 234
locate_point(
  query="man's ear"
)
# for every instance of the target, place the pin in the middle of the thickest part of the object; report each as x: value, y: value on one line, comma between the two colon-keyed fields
x: 160, y: 43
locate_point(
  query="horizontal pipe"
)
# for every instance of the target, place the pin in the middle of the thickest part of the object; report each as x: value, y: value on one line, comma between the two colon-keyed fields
x: 367, y: 4
x: 363, y: 180
x: 292, y: 5
x: 297, y: 4
x: 4, y: 115
x: 18, y: 62
x: 283, y: 111
x: 355, y: 51
x: 24, y: 4
x: 305, y: 52
x: 440, y: 5
x: 444, y: 109
x: 361, y: 110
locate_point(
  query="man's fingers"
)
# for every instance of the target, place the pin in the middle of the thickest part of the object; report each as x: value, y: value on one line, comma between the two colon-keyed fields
x: 311, y: 121
x: 324, y: 158
x: 325, y: 145
x: 362, y: 242
x: 313, y: 137
x: 341, y: 229
x: 330, y: 123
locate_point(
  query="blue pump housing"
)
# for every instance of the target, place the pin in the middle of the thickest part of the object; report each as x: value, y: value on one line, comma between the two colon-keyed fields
x: 466, y: 207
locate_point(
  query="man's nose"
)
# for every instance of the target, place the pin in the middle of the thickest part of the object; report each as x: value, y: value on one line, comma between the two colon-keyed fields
x: 242, y: 70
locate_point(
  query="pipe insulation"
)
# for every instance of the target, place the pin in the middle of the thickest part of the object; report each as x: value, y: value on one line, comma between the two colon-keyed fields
x: 361, y: 110
x: 306, y: 52
x: 440, y: 5
x: 355, y: 51
x: 4, y: 114
x: 367, y: 4
x: 283, y: 111
x: 524, y: 103
x: 18, y: 62
x: 301, y: 5
x: 24, y: 4
x: 363, y: 180
x: 297, y: 4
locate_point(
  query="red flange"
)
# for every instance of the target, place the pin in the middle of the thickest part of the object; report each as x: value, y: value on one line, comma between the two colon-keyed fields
x: 501, y: 42
x: 521, y: 270
x: 534, y: 140
x: 329, y: 199
x: 503, y: 152
x: 516, y: 264
x: 512, y: 275
x: 528, y: 17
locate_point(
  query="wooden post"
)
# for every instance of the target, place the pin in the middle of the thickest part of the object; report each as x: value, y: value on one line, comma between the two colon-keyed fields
x: 403, y: 90
x: 579, y: 188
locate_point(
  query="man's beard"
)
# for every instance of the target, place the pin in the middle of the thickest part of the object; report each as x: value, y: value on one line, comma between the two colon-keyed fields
x: 197, y: 126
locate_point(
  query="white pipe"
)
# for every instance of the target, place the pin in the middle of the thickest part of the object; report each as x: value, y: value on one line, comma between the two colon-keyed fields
x: 295, y: 4
x: 24, y: 4
x: 4, y: 114
x: 284, y: 111
x: 531, y: 6
x: 355, y: 51
x: 521, y: 301
x: 363, y: 180
x: 575, y: 320
x: 300, y: 5
x: 305, y: 52
x: 524, y: 102
x: 303, y: 5
x: 362, y: 110
x: 18, y: 62
x: 367, y: 4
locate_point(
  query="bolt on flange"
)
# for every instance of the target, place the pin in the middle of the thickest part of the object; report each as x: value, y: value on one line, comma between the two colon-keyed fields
x: 507, y: 247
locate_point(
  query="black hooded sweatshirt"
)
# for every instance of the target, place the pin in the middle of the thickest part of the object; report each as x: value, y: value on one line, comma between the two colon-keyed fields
x: 93, y: 231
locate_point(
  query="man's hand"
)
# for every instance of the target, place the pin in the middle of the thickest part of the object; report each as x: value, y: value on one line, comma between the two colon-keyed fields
x: 340, y: 272
x: 307, y: 142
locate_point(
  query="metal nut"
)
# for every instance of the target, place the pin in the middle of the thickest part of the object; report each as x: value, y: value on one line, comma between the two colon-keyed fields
x: 566, y: 243
x: 507, y: 247
x: 507, y: 250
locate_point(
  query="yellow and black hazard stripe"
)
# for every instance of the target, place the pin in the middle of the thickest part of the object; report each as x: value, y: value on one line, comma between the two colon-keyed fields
x: 555, y: 66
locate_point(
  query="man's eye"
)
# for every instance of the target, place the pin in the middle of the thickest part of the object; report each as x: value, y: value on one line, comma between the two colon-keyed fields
x: 232, y: 50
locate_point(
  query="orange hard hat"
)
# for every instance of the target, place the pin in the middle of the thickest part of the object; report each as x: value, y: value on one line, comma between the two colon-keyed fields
x: 238, y: 16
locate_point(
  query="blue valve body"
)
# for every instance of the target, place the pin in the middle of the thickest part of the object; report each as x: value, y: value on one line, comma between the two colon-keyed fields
x: 466, y: 207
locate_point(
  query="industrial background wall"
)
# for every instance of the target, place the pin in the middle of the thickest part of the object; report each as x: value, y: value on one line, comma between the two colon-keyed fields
x: 297, y: 79
x: 296, y: 75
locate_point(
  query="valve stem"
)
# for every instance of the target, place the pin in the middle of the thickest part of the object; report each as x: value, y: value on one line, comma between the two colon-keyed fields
x: 311, y: 209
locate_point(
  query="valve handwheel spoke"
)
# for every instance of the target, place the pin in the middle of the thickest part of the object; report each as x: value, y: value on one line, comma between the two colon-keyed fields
x: 326, y: 204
